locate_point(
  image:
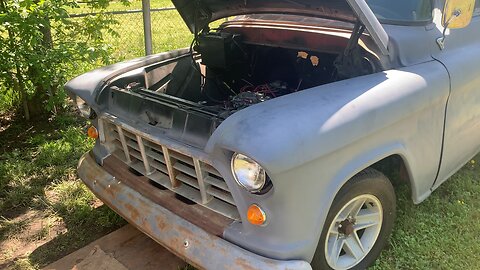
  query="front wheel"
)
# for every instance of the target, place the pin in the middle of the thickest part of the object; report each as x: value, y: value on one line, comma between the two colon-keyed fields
x: 358, y: 224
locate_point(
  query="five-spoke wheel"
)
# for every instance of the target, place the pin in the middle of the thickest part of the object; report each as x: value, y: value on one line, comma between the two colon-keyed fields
x: 353, y: 232
x: 358, y: 223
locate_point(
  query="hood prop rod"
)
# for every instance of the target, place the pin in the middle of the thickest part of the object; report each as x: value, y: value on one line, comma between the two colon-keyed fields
x: 357, y: 32
x: 350, y: 63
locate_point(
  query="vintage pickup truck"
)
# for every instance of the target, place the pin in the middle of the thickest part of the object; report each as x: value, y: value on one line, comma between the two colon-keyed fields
x: 272, y: 142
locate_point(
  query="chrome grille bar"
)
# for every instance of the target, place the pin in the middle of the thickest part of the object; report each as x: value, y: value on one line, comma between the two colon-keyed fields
x: 144, y: 155
x: 201, y: 181
x: 185, y: 175
x: 124, y: 144
x: 171, y: 171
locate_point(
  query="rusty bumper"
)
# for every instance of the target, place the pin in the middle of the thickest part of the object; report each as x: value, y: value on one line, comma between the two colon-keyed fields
x: 183, y: 238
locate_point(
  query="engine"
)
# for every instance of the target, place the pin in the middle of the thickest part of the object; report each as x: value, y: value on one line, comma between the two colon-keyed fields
x: 235, y: 74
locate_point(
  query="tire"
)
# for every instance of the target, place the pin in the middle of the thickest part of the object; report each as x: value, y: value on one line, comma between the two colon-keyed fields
x: 376, y: 214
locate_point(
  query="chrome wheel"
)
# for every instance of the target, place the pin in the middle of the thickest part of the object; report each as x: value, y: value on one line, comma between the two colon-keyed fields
x: 353, y: 232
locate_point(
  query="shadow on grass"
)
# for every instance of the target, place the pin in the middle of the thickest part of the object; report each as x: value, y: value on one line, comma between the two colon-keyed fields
x: 33, y: 155
x: 443, y: 231
x: 77, y: 236
x: 38, y: 162
x: 37, y: 171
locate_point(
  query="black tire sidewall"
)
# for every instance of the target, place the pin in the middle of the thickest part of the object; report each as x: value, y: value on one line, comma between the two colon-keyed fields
x: 370, y: 182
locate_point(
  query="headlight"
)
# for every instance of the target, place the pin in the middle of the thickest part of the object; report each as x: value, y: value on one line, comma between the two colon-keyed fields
x: 248, y: 173
x: 83, y: 108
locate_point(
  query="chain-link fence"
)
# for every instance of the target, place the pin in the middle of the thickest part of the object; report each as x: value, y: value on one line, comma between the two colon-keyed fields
x: 168, y: 31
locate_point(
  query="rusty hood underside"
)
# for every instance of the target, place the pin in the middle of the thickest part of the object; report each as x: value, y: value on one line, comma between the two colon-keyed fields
x: 197, y: 14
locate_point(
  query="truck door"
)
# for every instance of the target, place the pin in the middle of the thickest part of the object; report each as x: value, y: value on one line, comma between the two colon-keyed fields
x: 461, y: 57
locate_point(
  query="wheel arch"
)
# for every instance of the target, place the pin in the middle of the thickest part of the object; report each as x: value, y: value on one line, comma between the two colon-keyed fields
x: 391, y: 160
x: 396, y: 169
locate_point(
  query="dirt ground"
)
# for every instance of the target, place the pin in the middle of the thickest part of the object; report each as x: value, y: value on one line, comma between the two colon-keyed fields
x: 32, y: 224
x: 46, y: 213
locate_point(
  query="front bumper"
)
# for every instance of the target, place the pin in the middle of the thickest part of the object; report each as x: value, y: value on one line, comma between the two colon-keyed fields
x: 183, y: 238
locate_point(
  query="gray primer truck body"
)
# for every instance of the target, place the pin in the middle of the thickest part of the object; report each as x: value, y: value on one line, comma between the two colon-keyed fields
x: 422, y: 108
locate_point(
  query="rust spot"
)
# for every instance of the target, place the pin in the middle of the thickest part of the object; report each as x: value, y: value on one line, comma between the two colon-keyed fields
x: 146, y: 225
x: 144, y: 208
x: 219, y: 249
x: 177, y: 245
x: 185, y: 232
x: 161, y: 224
x: 132, y: 211
x: 331, y: 41
x: 244, y: 264
x: 111, y: 191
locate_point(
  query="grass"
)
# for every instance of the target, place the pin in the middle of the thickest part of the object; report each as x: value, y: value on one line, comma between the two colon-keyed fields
x: 117, y: 5
x: 168, y: 32
x: 443, y: 232
x: 46, y: 212
x: 168, y: 29
x: 42, y: 202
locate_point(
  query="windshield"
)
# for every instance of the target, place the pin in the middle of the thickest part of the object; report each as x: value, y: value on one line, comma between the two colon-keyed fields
x: 402, y: 11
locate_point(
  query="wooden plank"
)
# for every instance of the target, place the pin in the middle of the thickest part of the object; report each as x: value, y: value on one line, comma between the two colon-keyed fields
x: 128, y: 246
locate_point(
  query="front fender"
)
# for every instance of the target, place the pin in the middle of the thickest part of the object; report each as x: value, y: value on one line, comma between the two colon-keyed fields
x: 313, y: 141
x: 89, y: 86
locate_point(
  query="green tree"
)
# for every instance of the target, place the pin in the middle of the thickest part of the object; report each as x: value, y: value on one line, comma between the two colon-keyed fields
x: 41, y: 45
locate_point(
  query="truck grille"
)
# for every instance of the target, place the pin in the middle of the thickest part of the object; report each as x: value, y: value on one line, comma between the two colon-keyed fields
x: 181, y: 173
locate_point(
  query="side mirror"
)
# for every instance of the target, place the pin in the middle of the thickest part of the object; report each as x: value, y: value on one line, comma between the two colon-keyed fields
x: 457, y: 13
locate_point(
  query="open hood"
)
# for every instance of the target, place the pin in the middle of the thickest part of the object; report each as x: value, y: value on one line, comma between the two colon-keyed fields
x: 198, y: 13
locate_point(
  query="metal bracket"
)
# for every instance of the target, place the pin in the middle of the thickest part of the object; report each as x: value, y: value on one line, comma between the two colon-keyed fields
x: 441, y: 42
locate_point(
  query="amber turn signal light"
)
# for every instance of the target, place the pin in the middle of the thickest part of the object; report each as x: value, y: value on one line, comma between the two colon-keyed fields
x: 256, y: 215
x: 92, y: 132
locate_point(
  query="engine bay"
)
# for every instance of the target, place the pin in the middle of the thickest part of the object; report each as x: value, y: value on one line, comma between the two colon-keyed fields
x: 235, y: 75
x: 225, y: 72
